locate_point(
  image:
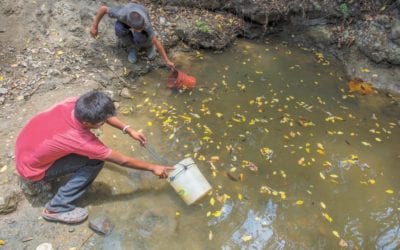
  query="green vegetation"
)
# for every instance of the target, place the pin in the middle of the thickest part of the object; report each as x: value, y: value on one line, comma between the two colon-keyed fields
x: 202, y: 26
x: 344, y: 9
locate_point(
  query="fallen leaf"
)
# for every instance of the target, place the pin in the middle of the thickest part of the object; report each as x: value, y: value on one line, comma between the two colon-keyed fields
x: 327, y: 217
x: 231, y: 176
x: 299, y: 202
x: 336, y: 234
x: 212, y: 201
x: 389, y: 191
x: 217, y: 213
x: 214, y: 158
x: 366, y: 144
x: 3, y: 169
x: 246, y: 238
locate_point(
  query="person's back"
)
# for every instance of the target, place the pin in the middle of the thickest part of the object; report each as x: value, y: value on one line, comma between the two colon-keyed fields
x: 51, y: 135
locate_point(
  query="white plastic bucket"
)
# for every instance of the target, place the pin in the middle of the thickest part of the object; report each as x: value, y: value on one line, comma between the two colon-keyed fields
x: 188, y: 181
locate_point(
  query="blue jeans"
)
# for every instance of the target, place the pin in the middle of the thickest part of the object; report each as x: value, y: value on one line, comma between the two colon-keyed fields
x: 83, y: 170
x: 127, y: 37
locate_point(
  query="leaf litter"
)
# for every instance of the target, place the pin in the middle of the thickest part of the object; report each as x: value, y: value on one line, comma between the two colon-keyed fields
x: 197, y: 122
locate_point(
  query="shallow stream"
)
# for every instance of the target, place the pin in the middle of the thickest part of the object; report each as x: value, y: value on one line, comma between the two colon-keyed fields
x: 295, y: 160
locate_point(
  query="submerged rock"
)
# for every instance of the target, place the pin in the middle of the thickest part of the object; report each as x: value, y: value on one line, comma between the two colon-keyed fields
x: 156, y: 221
x: 101, y: 225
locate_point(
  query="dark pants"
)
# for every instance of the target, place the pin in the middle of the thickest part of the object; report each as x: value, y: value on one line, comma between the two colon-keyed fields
x: 127, y: 37
x: 83, y: 170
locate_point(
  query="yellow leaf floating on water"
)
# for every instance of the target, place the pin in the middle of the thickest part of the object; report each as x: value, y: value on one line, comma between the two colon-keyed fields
x: 240, y: 197
x: 210, y: 235
x: 366, y: 144
x: 301, y: 161
x: 149, y: 123
x: 389, y: 191
x: 336, y: 234
x: 212, y: 201
x: 371, y: 181
x: 322, y: 175
x: 246, y: 238
x: 259, y: 72
x: 219, y: 115
x: 322, y: 205
x: 177, y: 213
x: 214, y: 158
x: 299, y: 202
x: 217, y: 213
x: 327, y: 217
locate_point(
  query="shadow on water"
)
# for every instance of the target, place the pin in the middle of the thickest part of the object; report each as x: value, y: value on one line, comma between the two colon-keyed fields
x: 295, y: 160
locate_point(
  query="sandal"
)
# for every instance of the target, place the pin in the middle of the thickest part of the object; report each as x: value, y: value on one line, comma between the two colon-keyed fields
x: 74, y: 216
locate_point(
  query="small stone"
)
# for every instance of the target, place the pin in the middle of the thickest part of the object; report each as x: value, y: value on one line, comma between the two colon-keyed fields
x: 45, y: 246
x: 53, y: 72
x: 101, y: 225
x: 3, y: 91
x: 125, y: 93
x: 162, y: 20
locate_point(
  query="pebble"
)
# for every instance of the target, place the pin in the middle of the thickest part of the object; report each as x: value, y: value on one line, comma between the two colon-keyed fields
x: 3, y: 91
x: 45, y: 246
x: 125, y: 93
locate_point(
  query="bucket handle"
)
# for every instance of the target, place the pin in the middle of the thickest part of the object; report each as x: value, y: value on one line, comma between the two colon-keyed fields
x: 185, y: 167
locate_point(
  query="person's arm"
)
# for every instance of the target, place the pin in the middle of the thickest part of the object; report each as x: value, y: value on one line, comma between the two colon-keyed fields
x: 126, y: 161
x: 117, y: 123
x: 161, y: 50
x: 99, y: 15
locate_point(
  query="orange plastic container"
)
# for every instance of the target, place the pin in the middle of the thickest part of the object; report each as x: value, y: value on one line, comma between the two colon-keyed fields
x: 180, y: 80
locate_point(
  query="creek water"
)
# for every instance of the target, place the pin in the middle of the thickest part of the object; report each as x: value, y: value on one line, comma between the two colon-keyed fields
x: 295, y: 160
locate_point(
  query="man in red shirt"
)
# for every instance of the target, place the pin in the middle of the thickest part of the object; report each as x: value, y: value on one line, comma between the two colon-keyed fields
x: 58, y: 141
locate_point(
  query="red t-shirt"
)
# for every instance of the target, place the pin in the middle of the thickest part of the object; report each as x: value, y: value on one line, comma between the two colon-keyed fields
x: 51, y: 135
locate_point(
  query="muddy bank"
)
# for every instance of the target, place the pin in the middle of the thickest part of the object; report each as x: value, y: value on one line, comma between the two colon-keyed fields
x: 365, y: 35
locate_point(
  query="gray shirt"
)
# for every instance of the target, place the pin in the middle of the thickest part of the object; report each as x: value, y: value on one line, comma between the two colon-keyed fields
x: 121, y: 14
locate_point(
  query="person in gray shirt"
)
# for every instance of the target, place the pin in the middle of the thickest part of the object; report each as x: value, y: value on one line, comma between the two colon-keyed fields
x: 133, y: 27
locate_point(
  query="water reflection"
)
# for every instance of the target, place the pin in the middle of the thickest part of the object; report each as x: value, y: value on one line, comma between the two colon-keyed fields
x: 256, y: 231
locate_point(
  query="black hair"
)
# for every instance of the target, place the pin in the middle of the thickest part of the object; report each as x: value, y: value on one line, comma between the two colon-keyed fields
x: 135, y: 20
x: 94, y: 107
